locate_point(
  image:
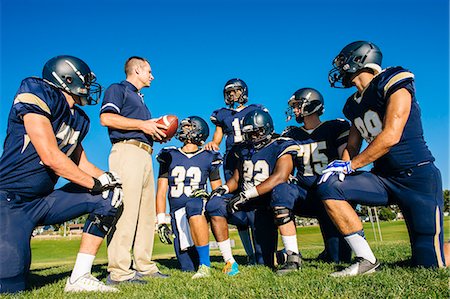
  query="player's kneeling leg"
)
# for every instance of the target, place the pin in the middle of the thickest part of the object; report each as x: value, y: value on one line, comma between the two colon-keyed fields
x: 102, y: 218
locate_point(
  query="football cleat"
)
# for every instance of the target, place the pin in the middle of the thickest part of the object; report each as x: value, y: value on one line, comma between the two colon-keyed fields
x: 231, y: 269
x: 361, y: 266
x: 156, y: 274
x: 202, y: 272
x: 88, y: 283
x: 293, y: 263
x: 133, y: 280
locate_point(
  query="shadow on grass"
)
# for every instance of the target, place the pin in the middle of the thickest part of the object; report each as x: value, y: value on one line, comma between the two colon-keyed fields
x: 37, y: 279
x: 172, y: 263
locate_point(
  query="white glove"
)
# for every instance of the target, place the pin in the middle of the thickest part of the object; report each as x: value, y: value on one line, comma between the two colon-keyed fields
x: 339, y: 167
x: 109, y: 181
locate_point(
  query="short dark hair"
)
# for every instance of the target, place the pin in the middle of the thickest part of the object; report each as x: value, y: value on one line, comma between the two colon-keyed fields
x: 131, y: 62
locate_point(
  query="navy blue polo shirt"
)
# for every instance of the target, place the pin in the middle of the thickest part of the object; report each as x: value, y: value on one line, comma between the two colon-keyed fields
x: 124, y: 99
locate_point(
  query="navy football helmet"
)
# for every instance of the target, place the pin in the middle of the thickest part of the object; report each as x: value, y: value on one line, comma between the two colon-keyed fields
x: 235, y: 84
x: 257, y: 128
x: 308, y: 101
x: 74, y: 76
x: 193, y: 129
x: 353, y: 58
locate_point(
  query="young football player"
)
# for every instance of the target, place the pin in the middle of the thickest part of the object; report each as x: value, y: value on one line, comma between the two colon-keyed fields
x: 183, y: 176
x: 385, y: 112
x: 263, y: 162
x: 44, y: 142
x: 320, y: 143
x: 228, y: 123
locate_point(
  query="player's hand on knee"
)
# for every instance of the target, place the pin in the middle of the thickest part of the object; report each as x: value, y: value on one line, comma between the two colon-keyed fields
x: 109, y: 181
x: 164, y: 233
x: 200, y: 193
x: 235, y: 203
x: 219, y: 191
x: 117, y: 197
x: 339, y: 167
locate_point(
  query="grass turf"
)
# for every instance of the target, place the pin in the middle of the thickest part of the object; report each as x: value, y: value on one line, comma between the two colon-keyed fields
x: 53, y: 261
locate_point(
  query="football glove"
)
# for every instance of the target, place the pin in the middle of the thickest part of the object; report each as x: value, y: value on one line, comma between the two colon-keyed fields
x: 109, y: 181
x: 164, y: 233
x: 200, y: 193
x: 339, y: 167
x: 235, y: 203
x: 219, y: 191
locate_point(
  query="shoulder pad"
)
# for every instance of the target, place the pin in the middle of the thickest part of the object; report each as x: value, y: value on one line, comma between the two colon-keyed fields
x: 164, y: 155
x: 392, y: 79
x: 37, y: 95
x: 287, y: 130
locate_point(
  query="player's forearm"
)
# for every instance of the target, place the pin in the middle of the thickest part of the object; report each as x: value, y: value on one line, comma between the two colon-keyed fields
x: 218, y: 135
x: 271, y: 182
x: 375, y: 150
x: 66, y: 168
x: 116, y: 121
x: 216, y: 184
x: 85, y: 165
x: 233, y: 182
x: 161, y: 193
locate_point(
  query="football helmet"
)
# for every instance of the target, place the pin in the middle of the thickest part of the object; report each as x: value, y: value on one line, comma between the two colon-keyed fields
x: 308, y: 101
x: 257, y: 128
x: 193, y: 129
x: 353, y: 58
x: 74, y: 76
x: 235, y: 84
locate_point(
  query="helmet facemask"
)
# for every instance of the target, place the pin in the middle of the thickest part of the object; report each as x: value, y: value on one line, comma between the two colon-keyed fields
x: 257, y: 137
x: 191, y: 131
x: 305, y: 105
x: 235, y: 85
x: 353, y: 59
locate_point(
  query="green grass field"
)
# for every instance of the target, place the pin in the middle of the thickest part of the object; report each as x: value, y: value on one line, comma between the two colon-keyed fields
x: 53, y: 261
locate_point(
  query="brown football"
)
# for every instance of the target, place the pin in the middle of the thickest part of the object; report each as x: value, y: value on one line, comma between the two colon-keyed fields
x: 171, y: 121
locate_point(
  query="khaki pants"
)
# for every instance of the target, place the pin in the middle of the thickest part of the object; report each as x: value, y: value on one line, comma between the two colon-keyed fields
x: 135, y: 228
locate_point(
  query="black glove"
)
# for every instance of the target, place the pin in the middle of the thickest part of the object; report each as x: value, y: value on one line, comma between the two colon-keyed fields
x: 219, y: 191
x: 200, y: 193
x: 236, y: 202
x: 109, y: 181
x: 164, y: 233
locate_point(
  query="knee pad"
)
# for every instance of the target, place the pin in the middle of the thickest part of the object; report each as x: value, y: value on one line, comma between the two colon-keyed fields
x: 194, y: 207
x: 282, y: 215
x: 98, y: 225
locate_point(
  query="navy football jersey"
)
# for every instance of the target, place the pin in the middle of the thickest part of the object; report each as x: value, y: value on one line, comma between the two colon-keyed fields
x: 186, y: 172
x: 230, y: 120
x: 255, y: 166
x: 21, y: 169
x: 367, y: 113
x: 319, y: 146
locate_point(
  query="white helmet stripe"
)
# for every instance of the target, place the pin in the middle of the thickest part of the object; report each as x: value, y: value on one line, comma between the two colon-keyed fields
x: 75, y: 70
x: 64, y: 85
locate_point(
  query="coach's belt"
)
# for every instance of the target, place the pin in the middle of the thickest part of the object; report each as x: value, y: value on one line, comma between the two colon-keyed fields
x: 146, y: 147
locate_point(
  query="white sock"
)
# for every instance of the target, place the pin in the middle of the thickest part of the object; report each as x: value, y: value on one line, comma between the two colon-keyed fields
x: 360, y: 247
x: 83, y: 265
x: 225, y: 249
x: 290, y: 243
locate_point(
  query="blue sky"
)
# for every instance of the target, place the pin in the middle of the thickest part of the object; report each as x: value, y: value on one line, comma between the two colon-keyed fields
x: 194, y: 47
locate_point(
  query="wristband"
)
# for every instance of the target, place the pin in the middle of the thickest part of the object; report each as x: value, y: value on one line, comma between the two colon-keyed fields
x: 227, y: 190
x: 251, y: 193
x: 161, y: 218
